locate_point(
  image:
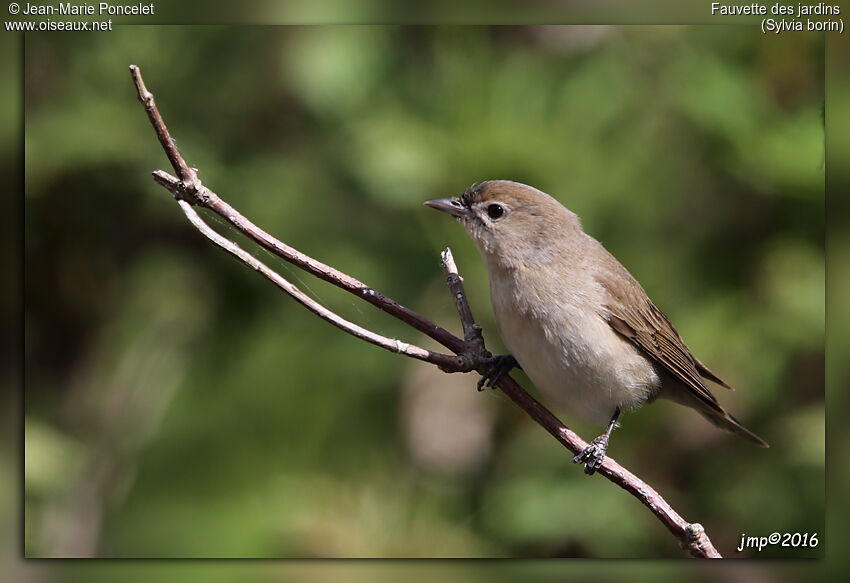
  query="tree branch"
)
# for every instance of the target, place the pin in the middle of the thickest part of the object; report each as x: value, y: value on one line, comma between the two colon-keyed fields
x: 469, y: 353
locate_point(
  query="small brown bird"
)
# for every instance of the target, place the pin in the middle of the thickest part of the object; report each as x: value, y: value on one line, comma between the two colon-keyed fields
x: 574, y: 318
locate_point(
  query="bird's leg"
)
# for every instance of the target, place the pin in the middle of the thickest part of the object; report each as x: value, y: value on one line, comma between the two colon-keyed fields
x: 498, y: 366
x: 594, y: 453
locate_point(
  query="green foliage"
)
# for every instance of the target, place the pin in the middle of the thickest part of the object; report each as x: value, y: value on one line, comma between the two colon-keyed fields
x: 178, y: 405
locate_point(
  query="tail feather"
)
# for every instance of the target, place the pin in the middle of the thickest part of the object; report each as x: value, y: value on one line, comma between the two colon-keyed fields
x: 725, y: 421
x: 676, y: 391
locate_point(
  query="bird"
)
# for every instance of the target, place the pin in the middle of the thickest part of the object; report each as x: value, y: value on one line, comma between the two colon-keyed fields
x: 573, y: 317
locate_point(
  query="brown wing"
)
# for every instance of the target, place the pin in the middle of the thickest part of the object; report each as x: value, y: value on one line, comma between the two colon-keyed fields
x: 635, y: 317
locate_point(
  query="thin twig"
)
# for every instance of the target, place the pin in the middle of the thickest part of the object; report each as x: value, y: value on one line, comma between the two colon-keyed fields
x: 203, y: 196
x: 470, y: 352
x: 391, y: 344
x: 187, y: 174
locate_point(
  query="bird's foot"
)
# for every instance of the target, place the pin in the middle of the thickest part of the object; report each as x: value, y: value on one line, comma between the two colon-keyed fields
x: 498, y: 366
x: 593, y: 455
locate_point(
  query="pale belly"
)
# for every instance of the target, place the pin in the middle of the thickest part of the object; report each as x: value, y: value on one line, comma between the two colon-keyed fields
x: 577, y: 361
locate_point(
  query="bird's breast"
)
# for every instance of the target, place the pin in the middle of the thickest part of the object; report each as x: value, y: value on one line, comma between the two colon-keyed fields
x: 568, y: 350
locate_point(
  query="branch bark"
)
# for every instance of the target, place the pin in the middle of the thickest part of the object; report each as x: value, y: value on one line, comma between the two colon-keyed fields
x: 470, y: 354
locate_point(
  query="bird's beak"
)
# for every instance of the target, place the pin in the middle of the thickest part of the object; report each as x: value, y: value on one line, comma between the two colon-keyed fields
x: 453, y: 206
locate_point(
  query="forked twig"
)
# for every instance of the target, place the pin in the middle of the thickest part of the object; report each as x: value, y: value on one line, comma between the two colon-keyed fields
x: 470, y: 353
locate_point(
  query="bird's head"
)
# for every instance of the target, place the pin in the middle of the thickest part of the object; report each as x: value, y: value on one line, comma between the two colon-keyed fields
x: 512, y: 224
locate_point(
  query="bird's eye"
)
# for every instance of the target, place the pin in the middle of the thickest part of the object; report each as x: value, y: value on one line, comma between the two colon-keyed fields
x: 495, y: 211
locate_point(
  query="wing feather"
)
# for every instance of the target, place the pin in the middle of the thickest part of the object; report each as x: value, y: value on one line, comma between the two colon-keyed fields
x: 632, y: 314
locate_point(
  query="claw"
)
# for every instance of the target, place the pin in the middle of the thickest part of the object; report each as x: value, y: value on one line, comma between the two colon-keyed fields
x: 593, y: 455
x: 499, y: 367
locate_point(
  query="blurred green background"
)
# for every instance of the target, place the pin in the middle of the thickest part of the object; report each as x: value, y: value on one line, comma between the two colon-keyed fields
x: 177, y: 405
